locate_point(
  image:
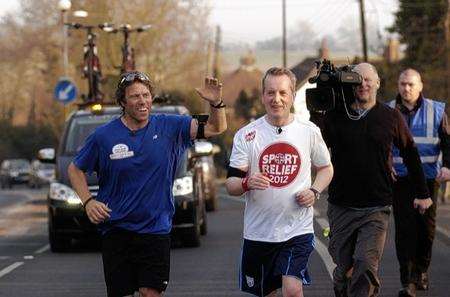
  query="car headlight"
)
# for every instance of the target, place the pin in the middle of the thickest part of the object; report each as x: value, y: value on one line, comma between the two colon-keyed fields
x: 182, y: 186
x: 63, y: 193
x: 14, y: 173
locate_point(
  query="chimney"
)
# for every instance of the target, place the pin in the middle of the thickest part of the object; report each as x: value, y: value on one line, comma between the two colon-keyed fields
x: 324, y: 51
x: 392, y: 51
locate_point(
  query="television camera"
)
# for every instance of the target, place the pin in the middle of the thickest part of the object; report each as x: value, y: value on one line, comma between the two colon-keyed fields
x: 335, y: 87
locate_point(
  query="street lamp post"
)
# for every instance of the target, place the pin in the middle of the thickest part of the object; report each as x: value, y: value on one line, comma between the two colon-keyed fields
x: 284, y: 32
x: 64, y: 6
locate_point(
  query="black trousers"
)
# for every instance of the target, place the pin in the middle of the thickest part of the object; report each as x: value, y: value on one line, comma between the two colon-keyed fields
x: 414, y: 233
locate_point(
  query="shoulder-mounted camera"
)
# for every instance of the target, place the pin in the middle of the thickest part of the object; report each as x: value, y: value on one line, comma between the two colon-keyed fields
x: 334, y: 87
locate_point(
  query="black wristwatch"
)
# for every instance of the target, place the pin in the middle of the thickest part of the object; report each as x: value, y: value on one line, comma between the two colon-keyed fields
x: 316, y: 193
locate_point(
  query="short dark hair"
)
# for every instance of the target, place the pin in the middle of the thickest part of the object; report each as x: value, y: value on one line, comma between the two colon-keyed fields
x: 279, y: 71
x: 127, y: 79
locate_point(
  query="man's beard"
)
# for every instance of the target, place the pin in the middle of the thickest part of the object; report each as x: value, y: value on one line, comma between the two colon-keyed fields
x: 361, y: 100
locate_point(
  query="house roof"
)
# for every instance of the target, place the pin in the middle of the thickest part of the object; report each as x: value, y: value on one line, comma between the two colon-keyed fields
x: 246, y: 78
x: 304, y: 70
x: 307, y: 68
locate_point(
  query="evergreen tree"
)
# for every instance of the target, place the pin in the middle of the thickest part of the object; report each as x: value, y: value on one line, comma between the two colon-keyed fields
x: 420, y: 24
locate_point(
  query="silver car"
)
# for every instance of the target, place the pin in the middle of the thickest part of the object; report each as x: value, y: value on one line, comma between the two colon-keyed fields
x: 41, y: 174
x: 14, y: 171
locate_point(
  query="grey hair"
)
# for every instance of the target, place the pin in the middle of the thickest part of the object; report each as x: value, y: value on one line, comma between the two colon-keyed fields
x: 279, y: 71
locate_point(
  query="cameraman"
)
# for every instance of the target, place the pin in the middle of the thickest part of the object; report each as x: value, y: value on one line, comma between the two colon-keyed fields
x: 360, y: 193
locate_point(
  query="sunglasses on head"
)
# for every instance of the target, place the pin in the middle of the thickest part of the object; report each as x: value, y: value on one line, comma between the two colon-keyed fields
x: 132, y: 76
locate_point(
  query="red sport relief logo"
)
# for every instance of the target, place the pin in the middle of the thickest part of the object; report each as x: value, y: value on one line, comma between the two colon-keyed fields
x: 250, y: 136
x: 281, y: 162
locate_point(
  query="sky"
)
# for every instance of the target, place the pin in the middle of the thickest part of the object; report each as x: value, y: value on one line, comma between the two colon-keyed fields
x: 255, y: 20
x: 7, y: 5
x: 248, y: 21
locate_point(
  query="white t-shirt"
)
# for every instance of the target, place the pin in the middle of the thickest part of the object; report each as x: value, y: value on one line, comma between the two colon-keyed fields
x: 273, y: 215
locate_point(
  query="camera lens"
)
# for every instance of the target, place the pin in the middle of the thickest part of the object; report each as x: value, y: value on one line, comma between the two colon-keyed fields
x: 324, y: 77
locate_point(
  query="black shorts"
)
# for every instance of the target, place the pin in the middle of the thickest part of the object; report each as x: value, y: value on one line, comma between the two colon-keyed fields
x: 265, y: 263
x: 132, y: 261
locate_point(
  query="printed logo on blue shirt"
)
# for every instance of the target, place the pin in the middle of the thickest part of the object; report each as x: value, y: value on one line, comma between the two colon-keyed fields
x: 120, y: 151
x: 250, y: 281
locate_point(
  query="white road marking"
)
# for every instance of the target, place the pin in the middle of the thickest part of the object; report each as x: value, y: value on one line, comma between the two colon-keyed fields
x: 443, y: 231
x: 321, y: 248
x: 316, y: 212
x: 9, y: 216
x: 5, y: 257
x: 9, y: 268
x: 326, y: 258
x: 323, y: 223
x: 42, y: 249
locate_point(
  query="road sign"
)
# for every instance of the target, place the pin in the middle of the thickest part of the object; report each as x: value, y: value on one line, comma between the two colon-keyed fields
x: 65, y: 91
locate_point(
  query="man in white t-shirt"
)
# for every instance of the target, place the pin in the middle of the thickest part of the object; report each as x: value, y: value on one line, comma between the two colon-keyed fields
x: 271, y: 165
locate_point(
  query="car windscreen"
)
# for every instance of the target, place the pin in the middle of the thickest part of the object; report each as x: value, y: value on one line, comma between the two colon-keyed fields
x: 20, y: 164
x: 46, y: 166
x: 81, y: 127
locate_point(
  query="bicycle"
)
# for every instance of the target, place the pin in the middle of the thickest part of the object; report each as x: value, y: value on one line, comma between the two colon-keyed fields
x: 128, y: 61
x: 91, y: 63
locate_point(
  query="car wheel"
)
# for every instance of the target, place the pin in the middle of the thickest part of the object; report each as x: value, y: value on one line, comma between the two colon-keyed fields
x: 204, y: 225
x: 191, y: 236
x: 58, y: 243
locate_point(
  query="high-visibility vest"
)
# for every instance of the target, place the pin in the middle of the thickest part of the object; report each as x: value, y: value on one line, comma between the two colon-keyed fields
x: 424, y: 128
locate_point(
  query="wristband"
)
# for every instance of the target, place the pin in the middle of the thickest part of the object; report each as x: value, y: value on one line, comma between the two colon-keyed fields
x: 87, y: 201
x: 219, y: 105
x: 316, y: 193
x: 245, y: 184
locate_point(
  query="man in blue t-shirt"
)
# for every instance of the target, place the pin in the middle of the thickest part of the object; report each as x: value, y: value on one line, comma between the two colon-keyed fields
x: 135, y: 157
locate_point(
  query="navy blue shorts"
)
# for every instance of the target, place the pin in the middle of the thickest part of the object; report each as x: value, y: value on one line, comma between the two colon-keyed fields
x: 264, y: 263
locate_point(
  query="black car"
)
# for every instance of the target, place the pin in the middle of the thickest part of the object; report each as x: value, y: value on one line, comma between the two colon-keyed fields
x: 14, y: 171
x: 66, y: 217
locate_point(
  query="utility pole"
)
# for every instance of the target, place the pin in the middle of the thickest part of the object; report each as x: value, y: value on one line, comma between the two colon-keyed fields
x: 447, y: 52
x: 284, y: 32
x: 209, y: 55
x: 216, y: 70
x: 208, y: 58
x: 363, y: 30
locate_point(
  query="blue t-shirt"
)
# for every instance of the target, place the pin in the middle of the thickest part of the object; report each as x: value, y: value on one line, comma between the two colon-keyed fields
x: 136, y: 171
